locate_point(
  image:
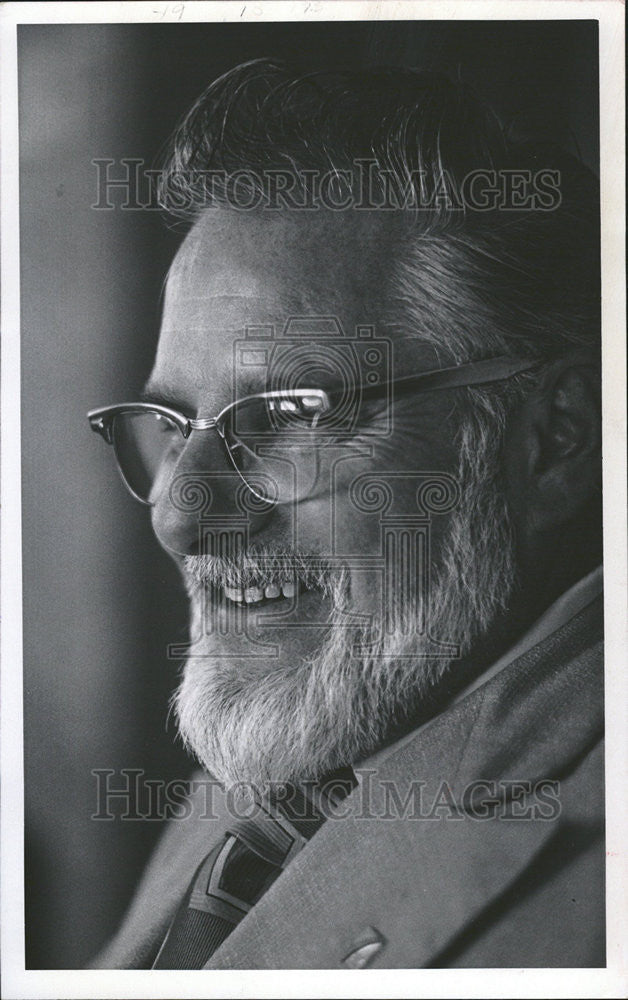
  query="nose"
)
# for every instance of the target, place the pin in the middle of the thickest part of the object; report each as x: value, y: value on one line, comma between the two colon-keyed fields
x: 198, y: 482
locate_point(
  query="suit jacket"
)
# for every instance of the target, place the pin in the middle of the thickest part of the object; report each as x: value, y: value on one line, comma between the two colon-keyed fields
x: 523, y: 886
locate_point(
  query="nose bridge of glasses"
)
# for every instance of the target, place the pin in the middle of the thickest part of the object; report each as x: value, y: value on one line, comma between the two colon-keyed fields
x: 204, y: 424
x: 198, y: 458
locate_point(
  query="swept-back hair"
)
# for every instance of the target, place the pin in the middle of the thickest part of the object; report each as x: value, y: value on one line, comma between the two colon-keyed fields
x: 473, y: 283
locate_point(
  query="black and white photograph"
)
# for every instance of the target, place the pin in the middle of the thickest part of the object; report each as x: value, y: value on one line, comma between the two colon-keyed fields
x: 314, y: 500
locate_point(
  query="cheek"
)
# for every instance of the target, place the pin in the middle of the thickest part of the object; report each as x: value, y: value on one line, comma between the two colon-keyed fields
x: 369, y: 516
x: 392, y: 558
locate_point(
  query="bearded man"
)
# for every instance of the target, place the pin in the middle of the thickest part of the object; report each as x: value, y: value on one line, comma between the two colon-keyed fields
x: 371, y: 441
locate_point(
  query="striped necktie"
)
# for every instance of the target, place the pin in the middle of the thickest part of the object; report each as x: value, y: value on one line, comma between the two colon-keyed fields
x: 244, y: 864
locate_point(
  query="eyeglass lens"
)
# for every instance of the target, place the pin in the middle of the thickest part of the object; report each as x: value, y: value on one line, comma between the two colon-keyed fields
x: 143, y: 442
x: 273, y: 445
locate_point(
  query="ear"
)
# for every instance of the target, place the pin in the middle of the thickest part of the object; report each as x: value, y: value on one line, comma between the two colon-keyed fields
x: 553, y: 451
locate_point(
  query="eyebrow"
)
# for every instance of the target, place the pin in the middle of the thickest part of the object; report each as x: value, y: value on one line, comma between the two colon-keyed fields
x: 160, y: 392
x: 164, y: 392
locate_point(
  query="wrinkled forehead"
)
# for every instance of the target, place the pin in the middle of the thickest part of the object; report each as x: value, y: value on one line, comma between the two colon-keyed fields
x: 237, y: 271
x: 278, y: 264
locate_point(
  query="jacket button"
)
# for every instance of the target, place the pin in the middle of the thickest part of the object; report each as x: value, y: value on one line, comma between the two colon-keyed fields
x: 367, y: 946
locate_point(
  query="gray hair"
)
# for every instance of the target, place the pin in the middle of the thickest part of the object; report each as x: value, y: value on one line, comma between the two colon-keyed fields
x: 472, y: 283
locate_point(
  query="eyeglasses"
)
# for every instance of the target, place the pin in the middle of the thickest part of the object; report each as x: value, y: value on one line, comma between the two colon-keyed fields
x: 274, y: 440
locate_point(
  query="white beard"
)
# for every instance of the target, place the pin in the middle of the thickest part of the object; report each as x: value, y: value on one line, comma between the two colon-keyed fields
x: 303, y: 721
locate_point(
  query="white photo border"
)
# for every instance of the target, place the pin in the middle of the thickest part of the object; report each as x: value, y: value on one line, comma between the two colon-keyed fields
x: 611, y: 981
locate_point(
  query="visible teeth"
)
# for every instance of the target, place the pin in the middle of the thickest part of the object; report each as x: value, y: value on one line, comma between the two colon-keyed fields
x: 253, y: 594
x: 233, y: 593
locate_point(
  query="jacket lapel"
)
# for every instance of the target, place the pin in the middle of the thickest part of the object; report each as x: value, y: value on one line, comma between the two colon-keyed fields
x: 417, y: 882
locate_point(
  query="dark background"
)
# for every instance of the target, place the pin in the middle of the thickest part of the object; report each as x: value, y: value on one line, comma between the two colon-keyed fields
x: 100, y: 600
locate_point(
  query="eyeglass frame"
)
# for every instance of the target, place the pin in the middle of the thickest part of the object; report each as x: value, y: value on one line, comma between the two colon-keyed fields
x: 483, y: 372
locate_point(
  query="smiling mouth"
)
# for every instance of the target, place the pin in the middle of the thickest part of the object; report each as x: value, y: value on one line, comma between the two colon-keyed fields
x: 256, y: 595
x: 308, y: 585
x: 258, y: 604
x: 260, y: 594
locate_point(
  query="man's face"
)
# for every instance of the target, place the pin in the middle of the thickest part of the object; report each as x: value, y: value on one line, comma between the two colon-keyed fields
x: 275, y: 685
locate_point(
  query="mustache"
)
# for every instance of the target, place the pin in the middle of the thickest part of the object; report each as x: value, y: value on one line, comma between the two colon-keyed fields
x: 264, y: 566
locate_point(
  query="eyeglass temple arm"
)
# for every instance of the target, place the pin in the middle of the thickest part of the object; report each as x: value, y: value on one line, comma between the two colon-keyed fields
x: 474, y: 373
